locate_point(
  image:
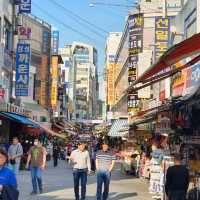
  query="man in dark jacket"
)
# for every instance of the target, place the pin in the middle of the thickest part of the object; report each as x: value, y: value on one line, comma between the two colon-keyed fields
x: 177, y: 180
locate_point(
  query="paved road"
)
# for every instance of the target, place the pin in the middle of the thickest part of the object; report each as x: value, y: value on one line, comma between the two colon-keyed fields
x: 58, y: 185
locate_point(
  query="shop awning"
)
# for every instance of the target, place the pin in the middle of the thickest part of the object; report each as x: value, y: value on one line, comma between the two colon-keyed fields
x: 19, y: 118
x: 187, y: 48
x: 118, y: 125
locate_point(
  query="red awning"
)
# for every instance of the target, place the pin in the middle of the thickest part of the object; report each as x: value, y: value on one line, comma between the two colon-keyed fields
x: 188, y: 47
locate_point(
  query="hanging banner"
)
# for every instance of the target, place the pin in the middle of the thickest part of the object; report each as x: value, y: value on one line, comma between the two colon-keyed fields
x: 54, y: 86
x: 136, y: 24
x: 55, y: 42
x: 162, y: 27
x: 22, y: 69
x: 24, y: 6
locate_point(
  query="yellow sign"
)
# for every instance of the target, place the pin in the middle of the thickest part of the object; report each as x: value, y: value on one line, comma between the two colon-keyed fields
x: 54, y: 86
x: 110, y: 84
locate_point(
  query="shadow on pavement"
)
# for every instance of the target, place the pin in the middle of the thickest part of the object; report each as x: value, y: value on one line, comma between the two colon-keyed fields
x: 113, y: 196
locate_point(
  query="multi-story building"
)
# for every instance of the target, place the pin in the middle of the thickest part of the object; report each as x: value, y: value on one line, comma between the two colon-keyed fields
x: 112, y: 44
x: 84, y: 81
x: 138, y: 42
x: 37, y: 33
x: 65, y: 84
x: 6, y: 49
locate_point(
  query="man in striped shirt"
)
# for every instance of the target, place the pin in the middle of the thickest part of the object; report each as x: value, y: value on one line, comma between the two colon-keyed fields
x: 105, y: 161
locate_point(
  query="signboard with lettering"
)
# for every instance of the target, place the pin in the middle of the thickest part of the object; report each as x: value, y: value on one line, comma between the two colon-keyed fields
x: 24, y: 32
x: 55, y: 42
x: 24, y: 6
x: 54, y: 86
x: 46, y: 42
x: 162, y: 26
x: 136, y: 24
x: 22, y: 69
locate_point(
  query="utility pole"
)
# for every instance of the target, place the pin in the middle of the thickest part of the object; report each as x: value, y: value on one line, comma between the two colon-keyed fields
x: 164, y: 8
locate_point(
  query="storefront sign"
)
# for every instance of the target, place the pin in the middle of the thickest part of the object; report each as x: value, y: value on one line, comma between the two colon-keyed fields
x: 55, y: 42
x: 45, y: 42
x: 24, y: 32
x: 54, y: 87
x: 2, y: 92
x: 22, y: 69
x: 110, y: 84
x: 136, y: 24
x: 162, y: 27
x: 24, y: 6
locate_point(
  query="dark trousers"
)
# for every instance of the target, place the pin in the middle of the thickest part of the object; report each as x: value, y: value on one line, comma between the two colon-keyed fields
x: 55, y: 161
x: 103, y: 178
x: 36, y: 175
x: 177, y: 195
x: 80, y: 174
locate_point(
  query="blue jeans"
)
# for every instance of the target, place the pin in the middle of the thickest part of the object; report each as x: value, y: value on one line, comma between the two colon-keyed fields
x: 15, y: 167
x: 80, y: 174
x: 36, y: 175
x: 103, y: 177
x: 177, y: 195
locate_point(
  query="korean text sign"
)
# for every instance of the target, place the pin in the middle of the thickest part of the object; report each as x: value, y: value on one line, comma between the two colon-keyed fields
x: 25, y: 6
x: 22, y: 69
x: 161, y: 36
x: 55, y: 42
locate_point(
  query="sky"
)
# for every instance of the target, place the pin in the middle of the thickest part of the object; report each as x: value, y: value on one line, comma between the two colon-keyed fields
x: 102, y: 19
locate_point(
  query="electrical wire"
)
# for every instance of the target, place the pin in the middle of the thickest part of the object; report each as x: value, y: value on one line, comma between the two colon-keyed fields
x: 64, y: 24
x: 79, y: 19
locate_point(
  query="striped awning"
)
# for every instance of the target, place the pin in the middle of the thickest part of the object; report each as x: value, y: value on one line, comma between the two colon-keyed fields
x: 117, y: 127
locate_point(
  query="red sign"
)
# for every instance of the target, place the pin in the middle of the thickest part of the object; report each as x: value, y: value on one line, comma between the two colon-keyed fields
x: 2, y: 92
x: 24, y: 32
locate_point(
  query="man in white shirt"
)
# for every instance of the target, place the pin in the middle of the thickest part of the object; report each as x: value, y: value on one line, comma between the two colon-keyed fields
x: 81, y: 168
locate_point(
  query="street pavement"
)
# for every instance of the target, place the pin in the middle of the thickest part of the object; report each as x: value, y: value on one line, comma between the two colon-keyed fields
x: 58, y: 185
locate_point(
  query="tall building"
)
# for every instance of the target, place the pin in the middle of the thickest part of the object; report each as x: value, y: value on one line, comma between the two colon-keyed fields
x: 84, y: 81
x: 112, y: 44
x: 65, y: 84
x: 37, y: 33
x: 141, y: 40
x: 6, y: 49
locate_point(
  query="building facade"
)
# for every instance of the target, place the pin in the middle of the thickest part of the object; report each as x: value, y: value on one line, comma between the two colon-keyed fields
x: 6, y: 49
x: 140, y: 40
x: 112, y: 44
x: 84, y: 90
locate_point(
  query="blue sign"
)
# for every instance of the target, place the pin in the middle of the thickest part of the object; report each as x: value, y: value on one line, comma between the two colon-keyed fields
x: 24, y: 6
x: 22, y: 69
x: 55, y: 42
x: 45, y: 42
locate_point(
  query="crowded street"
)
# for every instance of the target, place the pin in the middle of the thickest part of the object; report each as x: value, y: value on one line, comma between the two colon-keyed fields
x: 58, y: 185
x: 99, y: 99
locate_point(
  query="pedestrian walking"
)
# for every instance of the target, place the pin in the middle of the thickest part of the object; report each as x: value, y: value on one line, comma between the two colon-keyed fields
x: 56, y: 151
x: 8, y: 182
x: 81, y: 168
x: 105, y: 161
x: 177, y: 180
x: 37, y: 160
x: 15, y: 153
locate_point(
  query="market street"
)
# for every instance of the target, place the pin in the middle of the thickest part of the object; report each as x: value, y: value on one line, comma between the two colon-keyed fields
x: 58, y: 185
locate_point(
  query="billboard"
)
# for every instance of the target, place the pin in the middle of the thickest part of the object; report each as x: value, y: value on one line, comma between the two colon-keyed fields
x: 24, y: 6
x: 162, y: 27
x: 22, y: 69
x: 55, y: 42
x: 110, y: 84
x: 135, y: 26
x: 54, y: 85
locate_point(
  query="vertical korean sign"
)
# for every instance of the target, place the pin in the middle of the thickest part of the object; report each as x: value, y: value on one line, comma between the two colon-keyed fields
x: 22, y: 69
x: 161, y: 36
x: 136, y: 24
x: 55, y: 42
x: 24, y: 6
x: 54, y: 86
